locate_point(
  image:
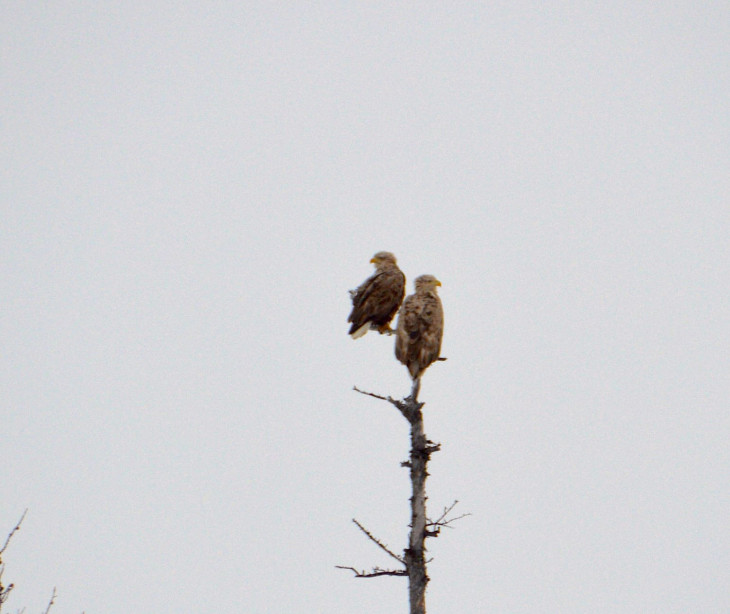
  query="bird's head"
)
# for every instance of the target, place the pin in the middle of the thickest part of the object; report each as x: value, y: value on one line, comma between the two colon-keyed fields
x: 426, y: 283
x: 382, y: 258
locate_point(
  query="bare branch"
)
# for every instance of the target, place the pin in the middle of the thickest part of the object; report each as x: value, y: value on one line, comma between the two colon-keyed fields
x: 431, y: 449
x: 378, y: 396
x: 4, y: 593
x: 443, y: 521
x: 379, y: 543
x: 10, y: 535
x: 50, y: 603
x: 446, y: 511
x: 405, y: 407
x: 448, y: 522
x: 408, y: 407
x: 5, y: 590
x: 377, y: 571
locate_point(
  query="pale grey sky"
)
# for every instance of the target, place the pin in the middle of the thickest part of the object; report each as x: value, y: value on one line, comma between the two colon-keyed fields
x: 190, y: 189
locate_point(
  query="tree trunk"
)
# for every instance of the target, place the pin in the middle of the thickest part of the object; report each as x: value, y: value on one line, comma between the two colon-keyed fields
x: 415, y: 557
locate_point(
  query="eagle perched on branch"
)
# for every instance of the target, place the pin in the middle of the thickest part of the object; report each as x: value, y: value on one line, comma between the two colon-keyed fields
x: 376, y: 301
x: 420, y: 327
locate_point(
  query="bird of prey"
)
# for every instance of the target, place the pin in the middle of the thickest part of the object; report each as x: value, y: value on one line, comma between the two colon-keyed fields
x: 376, y: 301
x: 420, y: 327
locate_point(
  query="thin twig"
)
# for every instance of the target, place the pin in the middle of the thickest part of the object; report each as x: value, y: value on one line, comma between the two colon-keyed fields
x: 4, y: 592
x: 407, y: 407
x: 446, y: 511
x: 50, y: 603
x: 377, y: 396
x: 17, y: 528
x: 441, y: 521
x: 447, y: 523
x: 380, y: 544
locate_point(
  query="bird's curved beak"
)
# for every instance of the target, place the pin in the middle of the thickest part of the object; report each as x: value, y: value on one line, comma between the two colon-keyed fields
x: 374, y: 260
x: 438, y: 283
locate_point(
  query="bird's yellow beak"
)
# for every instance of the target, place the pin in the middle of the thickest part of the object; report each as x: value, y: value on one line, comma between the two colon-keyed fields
x: 374, y: 260
x: 437, y: 283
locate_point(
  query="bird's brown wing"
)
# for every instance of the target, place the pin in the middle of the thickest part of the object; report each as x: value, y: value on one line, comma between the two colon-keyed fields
x: 419, y: 332
x: 432, y: 331
x: 377, y: 299
x: 407, y: 329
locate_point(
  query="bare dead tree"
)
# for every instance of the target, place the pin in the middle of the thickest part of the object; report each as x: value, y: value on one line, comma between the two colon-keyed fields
x: 413, y: 561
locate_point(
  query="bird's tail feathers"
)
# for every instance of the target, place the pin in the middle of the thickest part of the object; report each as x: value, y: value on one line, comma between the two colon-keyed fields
x: 360, y: 331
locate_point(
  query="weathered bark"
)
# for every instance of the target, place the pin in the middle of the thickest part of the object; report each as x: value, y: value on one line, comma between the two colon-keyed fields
x: 415, y: 557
